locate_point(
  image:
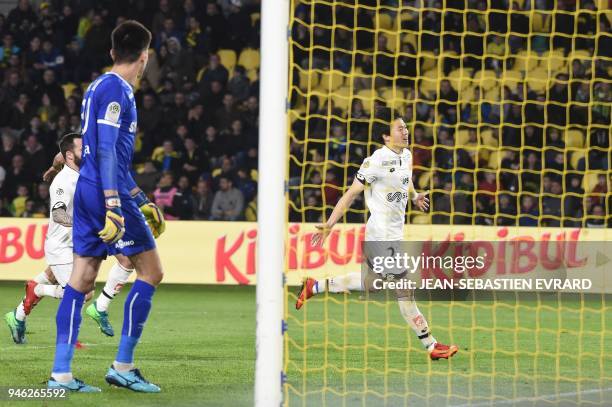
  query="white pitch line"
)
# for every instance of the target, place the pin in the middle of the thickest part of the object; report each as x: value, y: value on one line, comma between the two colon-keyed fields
x: 528, y: 399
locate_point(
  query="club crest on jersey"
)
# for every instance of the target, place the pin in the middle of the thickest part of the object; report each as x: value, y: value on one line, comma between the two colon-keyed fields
x: 112, y: 112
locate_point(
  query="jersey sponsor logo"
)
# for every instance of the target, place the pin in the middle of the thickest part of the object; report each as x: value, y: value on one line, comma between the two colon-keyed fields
x: 133, y: 127
x: 86, y: 149
x: 112, y: 112
x: 122, y: 243
x: 396, y: 196
x: 389, y: 163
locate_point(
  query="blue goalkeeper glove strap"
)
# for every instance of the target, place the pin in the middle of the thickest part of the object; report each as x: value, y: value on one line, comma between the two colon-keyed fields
x: 141, y: 199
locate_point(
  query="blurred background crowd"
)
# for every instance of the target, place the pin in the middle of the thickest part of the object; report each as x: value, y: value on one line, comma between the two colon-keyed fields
x: 197, y: 134
x: 508, y: 103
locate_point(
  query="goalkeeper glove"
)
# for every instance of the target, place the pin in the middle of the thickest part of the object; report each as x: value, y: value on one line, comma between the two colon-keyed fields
x: 153, y: 215
x: 114, y: 225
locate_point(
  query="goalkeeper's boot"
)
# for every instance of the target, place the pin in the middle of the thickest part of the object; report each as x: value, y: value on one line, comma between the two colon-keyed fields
x: 101, y: 318
x: 75, y: 385
x: 17, y: 328
x: 132, y: 380
x: 440, y: 351
x: 306, y: 292
x: 31, y: 299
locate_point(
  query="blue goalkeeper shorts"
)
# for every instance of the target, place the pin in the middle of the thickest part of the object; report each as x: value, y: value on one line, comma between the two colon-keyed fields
x: 88, y: 220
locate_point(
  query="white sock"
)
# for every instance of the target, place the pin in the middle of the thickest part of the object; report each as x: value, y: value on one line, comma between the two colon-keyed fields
x: 62, y: 377
x: 49, y: 290
x: 122, y: 367
x: 417, y: 322
x: 117, y: 277
x: 347, y: 282
x: 20, y: 312
x: 42, y: 278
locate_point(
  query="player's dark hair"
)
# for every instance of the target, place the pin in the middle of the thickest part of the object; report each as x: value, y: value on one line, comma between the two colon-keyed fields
x: 66, y: 143
x: 129, y: 39
x: 382, y: 122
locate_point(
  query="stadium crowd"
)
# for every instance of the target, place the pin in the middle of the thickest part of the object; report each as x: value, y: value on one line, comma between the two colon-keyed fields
x: 508, y: 104
x: 197, y: 133
x: 503, y: 158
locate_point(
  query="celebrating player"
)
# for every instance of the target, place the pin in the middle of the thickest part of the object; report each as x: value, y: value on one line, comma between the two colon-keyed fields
x: 58, y: 249
x: 382, y: 175
x: 111, y: 214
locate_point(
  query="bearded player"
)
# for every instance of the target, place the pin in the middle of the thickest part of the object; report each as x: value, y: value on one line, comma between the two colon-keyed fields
x: 58, y: 249
x: 389, y: 169
x: 111, y: 214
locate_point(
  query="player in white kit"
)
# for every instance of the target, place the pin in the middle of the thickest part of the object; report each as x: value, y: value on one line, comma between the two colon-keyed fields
x: 386, y: 180
x: 58, y: 251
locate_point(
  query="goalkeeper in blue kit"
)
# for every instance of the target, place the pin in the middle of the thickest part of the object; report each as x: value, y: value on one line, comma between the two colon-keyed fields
x: 111, y: 214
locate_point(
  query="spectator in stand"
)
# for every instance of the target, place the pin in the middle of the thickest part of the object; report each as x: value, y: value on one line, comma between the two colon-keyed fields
x: 245, y: 184
x: 97, y: 44
x: 35, y: 156
x: 228, y: 203
x: 214, y: 72
x: 167, y: 158
x: 215, y: 24
x: 193, y: 162
x: 529, y: 211
x: 596, y: 217
x: 238, y: 85
x: 52, y: 58
x: 183, y: 201
x: 164, y: 194
x: 202, y: 201
x: 18, y: 206
x: 225, y: 115
x: 148, y: 178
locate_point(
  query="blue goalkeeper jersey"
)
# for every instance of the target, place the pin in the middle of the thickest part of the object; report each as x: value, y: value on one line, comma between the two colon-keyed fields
x: 108, y: 126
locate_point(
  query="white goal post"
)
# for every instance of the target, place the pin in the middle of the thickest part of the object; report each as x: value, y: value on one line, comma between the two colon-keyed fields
x: 271, y: 208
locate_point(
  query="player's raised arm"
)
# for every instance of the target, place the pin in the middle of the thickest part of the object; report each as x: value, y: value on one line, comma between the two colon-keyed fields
x: 108, y: 123
x: 343, y: 204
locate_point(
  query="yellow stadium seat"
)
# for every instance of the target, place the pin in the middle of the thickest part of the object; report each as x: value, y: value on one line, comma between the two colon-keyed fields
x: 429, y: 82
x: 461, y: 79
x: 255, y: 17
x: 540, y: 23
x: 308, y: 75
x: 68, y: 88
x: 392, y: 41
x: 537, y: 80
x: 385, y: 21
x: 494, y: 160
x: 526, y: 61
x: 554, y: 60
x: 252, y: 74
x: 576, y: 156
x: 367, y: 94
x: 511, y: 79
x: 488, y: 139
x: 342, y: 98
x: 428, y: 61
x: 493, y: 95
x: 410, y: 38
x: 228, y: 58
x: 590, y: 180
x: 331, y: 80
x: 574, y: 138
x: 462, y: 137
x: 487, y: 79
x: 249, y: 58
x: 579, y: 54
x: 424, y: 180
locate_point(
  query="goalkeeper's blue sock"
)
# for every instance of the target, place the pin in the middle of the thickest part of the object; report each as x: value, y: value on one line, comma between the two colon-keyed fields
x: 68, y: 322
x: 136, y: 311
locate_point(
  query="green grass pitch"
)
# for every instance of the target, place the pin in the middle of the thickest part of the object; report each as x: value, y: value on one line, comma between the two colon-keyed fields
x: 199, y: 346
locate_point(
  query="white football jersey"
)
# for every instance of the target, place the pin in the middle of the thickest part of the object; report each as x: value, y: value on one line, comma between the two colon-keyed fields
x: 58, y: 244
x: 387, y: 176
